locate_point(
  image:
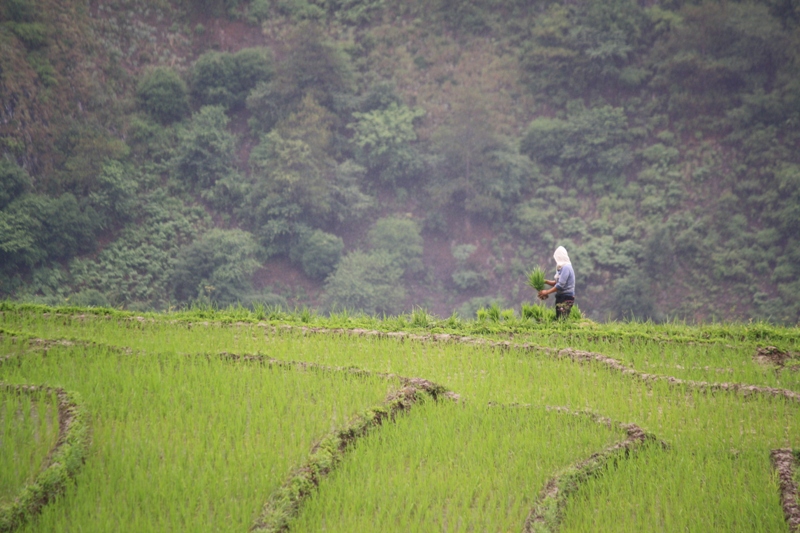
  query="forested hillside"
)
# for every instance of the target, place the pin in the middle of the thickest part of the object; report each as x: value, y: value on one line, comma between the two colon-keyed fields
x: 378, y: 155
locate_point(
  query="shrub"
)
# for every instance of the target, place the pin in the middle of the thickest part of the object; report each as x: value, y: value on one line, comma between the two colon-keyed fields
x: 317, y: 252
x: 20, y: 10
x: 259, y: 10
x: 368, y: 282
x: 466, y: 277
x: 89, y: 298
x: 300, y: 10
x: 162, y: 93
x: 214, y: 79
x: 33, y: 34
x: 399, y: 238
x: 221, y: 78
x: 217, y: 267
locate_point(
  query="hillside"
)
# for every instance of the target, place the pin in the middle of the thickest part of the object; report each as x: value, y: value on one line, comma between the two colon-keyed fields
x: 375, y: 156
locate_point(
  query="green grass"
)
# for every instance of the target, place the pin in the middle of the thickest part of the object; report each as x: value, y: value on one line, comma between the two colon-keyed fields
x: 217, y: 437
x: 28, y: 431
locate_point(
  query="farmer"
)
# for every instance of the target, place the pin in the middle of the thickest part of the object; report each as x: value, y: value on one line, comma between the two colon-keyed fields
x: 563, y: 285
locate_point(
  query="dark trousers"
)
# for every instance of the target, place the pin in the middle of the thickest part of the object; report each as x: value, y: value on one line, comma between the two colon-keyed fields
x: 564, y: 304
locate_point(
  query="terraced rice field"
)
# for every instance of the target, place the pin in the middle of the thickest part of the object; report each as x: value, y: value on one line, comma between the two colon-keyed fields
x: 237, y: 422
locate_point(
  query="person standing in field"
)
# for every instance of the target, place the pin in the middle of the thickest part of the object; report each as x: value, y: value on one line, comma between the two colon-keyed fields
x: 563, y: 285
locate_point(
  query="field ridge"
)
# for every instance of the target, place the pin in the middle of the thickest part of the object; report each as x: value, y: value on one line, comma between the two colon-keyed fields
x: 785, y: 462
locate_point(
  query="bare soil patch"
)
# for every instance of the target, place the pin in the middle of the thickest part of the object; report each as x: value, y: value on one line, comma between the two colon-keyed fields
x: 771, y: 355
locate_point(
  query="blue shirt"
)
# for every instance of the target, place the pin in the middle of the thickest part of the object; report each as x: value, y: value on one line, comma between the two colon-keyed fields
x: 565, y: 280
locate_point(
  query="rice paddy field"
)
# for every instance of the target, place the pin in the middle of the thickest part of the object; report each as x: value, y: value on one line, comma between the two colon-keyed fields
x: 265, y: 421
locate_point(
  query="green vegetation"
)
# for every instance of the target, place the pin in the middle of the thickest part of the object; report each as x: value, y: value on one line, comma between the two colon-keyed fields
x: 30, y: 428
x: 224, y: 79
x: 536, y: 278
x: 456, y: 466
x: 195, y: 419
x: 647, y: 140
x: 162, y: 93
x: 201, y: 417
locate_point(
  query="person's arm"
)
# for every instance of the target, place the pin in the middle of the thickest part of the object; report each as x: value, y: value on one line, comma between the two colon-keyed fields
x: 544, y: 293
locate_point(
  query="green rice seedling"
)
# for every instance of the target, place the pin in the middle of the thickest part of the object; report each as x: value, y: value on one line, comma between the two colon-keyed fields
x: 275, y: 312
x: 454, y: 320
x: 481, y: 314
x: 150, y: 399
x: 536, y: 278
x: 28, y: 430
x: 306, y: 315
x: 533, y: 311
x: 259, y: 311
x: 715, y: 478
x: 449, y: 467
x: 494, y: 312
x: 575, y: 313
x: 420, y: 317
x: 507, y: 315
x: 186, y: 443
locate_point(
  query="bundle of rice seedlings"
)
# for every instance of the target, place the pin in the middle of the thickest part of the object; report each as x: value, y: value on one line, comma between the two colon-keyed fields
x: 494, y: 312
x: 536, y: 278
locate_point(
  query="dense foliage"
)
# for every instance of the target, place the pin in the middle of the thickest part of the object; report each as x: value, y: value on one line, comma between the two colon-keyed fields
x: 658, y: 144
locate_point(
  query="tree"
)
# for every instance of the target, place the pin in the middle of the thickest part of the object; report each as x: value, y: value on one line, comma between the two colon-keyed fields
x: 465, y: 136
x: 13, y: 182
x: 593, y: 141
x: 312, y: 66
x: 581, y: 46
x: 205, y: 151
x: 294, y: 177
x: 162, y: 93
x: 383, y: 139
x: 35, y: 228
x: 286, y: 170
x: 720, y: 51
x: 348, y: 201
x: 463, y: 142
